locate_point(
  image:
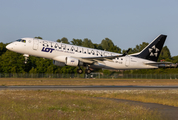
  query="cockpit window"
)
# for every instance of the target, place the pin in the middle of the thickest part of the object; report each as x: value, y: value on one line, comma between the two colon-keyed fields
x: 20, y: 40
x: 24, y: 41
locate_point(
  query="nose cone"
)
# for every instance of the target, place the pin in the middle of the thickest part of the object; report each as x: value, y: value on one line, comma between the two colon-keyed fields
x: 9, y: 47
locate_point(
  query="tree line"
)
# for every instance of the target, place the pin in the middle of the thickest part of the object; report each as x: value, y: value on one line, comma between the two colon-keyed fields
x: 12, y: 62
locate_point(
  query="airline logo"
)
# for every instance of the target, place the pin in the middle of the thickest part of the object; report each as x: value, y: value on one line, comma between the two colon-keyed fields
x: 50, y: 50
x: 154, y: 51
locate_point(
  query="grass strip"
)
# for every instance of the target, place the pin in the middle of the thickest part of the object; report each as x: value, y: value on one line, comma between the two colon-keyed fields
x: 66, y: 105
x: 164, y: 97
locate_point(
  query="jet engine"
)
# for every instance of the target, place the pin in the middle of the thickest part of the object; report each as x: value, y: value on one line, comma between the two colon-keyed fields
x: 70, y: 61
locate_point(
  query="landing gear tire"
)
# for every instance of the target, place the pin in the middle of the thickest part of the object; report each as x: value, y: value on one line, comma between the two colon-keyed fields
x: 87, y: 71
x: 79, y: 71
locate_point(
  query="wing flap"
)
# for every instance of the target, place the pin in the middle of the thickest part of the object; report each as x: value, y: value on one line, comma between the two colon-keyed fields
x: 91, y: 60
x: 102, y: 58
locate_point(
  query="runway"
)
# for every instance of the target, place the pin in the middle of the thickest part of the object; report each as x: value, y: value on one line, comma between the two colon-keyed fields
x: 62, y: 87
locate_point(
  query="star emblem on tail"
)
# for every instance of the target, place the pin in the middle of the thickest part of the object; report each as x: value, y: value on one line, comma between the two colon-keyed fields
x: 153, y: 51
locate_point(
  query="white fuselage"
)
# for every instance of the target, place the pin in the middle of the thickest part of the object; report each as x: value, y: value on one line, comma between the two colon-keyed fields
x: 51, y: 50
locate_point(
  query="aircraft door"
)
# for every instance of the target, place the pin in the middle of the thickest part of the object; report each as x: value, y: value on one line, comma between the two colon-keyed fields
x: 35, y: 44
x: 127, y: 61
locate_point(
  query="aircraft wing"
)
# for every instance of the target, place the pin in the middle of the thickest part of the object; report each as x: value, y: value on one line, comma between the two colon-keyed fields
x: 91, y: 60
x: 107, y: 57
x: 101, y: 59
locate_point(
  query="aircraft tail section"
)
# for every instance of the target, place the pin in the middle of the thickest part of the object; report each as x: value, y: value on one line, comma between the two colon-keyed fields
x: 153, y: 50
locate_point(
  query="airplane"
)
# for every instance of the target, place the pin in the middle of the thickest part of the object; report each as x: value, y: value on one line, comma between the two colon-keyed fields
x: 72, y: 55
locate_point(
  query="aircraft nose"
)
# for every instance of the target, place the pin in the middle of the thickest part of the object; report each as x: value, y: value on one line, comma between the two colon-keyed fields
x: 9, y: 47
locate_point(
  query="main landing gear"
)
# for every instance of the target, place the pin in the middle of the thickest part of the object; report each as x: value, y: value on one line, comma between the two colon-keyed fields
x: 79, y: 71
x: 87, y: 71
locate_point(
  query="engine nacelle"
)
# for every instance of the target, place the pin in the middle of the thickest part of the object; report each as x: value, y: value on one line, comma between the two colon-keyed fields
x: 61, y: 64
x: 68, y: 61
x: 72, y: 61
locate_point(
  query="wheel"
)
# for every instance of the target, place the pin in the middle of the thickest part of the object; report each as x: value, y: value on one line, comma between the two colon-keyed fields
x: 79, y: 71
x: 87, y: 71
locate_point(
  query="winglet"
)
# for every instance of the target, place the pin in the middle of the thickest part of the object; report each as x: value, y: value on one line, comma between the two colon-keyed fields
x: 126, y: 53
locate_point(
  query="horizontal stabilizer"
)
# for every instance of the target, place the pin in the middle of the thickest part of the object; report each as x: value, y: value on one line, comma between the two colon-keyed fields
x: 158, y: 63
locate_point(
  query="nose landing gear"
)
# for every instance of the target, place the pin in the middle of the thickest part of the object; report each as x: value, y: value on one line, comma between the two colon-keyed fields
x: 26, y: 58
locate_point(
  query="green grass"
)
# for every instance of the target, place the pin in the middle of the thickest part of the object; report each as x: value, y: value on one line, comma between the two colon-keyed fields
x: 66, y: 105
x: 165, y: 97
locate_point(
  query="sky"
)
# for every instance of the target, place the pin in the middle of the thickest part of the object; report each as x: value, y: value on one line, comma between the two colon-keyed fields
x: 126, y: 22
